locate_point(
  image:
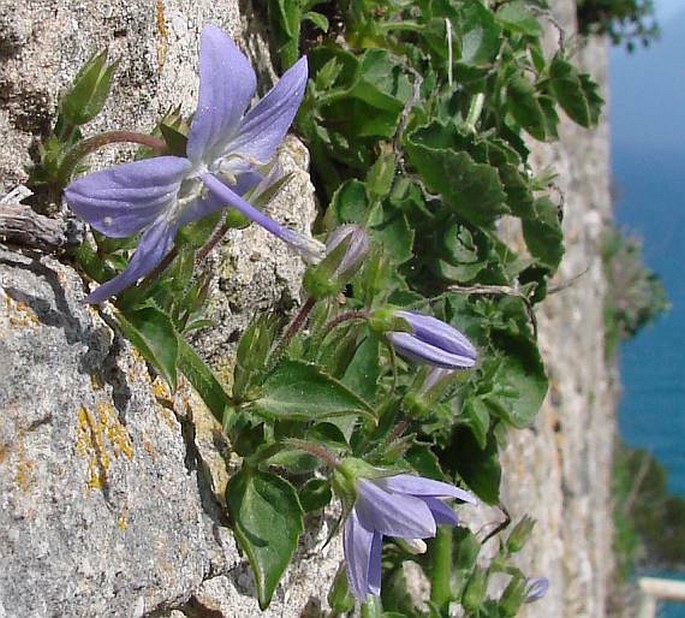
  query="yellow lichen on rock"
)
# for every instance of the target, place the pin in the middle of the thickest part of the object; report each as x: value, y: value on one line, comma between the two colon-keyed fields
x: 25, y: 475
x: 20, y: 315
x: 98, y: 434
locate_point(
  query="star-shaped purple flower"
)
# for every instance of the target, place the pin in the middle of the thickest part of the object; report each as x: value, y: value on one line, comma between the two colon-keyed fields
x: 226, y: 146
x: 403, y: 506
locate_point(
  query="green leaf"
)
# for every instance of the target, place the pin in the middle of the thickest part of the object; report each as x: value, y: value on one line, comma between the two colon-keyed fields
x: 577, y: 93
x: 296, y: 390
x: 477, y: 33
x: 285, y: 17
x: 381, y: 176
x: 524, y: 106
x: 381, y: 82
x: 520, y: 383
x: 351, y: 202
x: 473, y: 190
x: 86, y: 98
x: 389, y: 226
x: 319, y: 20
x: 476, y: 417
x: 204, y: 382
x: 363, y: 372
x: 152, y: 333
x: 422, y: 458
x: 543, y: 234
x: 315, y: 494
x: 267, y: 521
x: 517, y: 17
x: 479, y: 467
x: 251, y: 356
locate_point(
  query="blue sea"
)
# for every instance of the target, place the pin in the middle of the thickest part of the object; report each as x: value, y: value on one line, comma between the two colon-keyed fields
x: 650, y: 185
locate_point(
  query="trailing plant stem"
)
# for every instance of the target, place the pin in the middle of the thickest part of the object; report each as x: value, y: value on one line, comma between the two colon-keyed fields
x: 314, y: 449
x: 344, y: 317
x: 441, y: 574
x: 86, y: 146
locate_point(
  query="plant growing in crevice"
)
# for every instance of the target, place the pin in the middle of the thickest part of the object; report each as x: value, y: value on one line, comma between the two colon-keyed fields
x: 414, y: 350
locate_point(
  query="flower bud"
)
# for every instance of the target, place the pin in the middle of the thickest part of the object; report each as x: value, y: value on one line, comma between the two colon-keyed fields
x: 520, y: 534
x: 474, y: 593
x: 346, y: 248
x: 339, y: 597
x: 513, y: 597
x: 536, y: 588
x: 87, y: 96
x: 429, y: 340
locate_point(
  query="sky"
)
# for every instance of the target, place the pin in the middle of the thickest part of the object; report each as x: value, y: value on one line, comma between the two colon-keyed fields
x: 648, y: 87
x: 667, y: 8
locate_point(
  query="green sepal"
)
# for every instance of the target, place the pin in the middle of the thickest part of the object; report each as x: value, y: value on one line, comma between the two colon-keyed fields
x: 87, y: 96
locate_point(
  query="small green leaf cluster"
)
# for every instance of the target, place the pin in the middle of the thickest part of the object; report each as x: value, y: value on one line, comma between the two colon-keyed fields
x: 80, y: 104
x: 624, y: 21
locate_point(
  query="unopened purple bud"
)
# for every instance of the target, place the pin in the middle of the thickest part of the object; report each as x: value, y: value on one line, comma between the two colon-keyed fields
x: 536, y: 588
x: 346, y: 248
x: 357, y: 241
x: 432, y: 341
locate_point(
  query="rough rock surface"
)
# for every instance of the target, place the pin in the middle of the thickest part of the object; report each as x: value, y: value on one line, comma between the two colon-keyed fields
x: 100, y: 507
x: 559, y: 472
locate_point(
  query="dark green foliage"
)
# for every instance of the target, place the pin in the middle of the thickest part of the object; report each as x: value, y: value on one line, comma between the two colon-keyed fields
x: 624, y: 21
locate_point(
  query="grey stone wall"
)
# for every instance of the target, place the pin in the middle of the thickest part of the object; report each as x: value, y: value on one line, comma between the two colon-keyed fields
x: 559, y: 472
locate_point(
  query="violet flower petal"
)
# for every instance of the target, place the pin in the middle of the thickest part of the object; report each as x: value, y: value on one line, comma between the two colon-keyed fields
x: 375, y: 566
x: 309, y: 248
x: 443, y: 514
x: 393, y: 514
x: 439, y: 334
x: 265, y: 125
x: 420, y: 486
x: 227, y: 83
x: 199, y: 208
x: 413, y: 348
x: 122, y: 200
x: 154, y: 244
x: 357, y: 546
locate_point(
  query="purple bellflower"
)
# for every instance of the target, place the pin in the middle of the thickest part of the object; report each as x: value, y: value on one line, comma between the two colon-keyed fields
x: 225, y: 148
x: 403, y: 506
x: 432, y: 341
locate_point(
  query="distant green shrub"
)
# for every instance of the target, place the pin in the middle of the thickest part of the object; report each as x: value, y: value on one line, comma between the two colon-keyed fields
x: 636, y: 296
x: 650, y: 522
x: 624, y: 21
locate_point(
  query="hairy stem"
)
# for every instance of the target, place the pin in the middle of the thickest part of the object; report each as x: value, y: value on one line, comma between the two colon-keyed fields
x: 314, y: 449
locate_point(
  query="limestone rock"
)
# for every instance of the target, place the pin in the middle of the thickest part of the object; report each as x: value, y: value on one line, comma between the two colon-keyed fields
x: 100, y: 509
